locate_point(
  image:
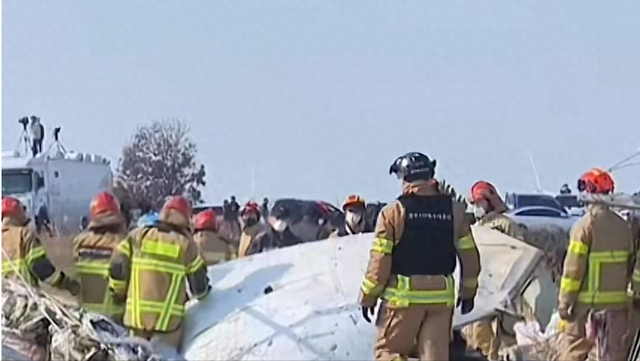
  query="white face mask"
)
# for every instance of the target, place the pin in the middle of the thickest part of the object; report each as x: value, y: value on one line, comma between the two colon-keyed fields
x: 279, y: 225
x: 479, y: 212
x: 353, y: 218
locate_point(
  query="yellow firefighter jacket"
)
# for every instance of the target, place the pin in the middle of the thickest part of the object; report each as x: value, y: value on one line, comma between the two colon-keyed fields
x: 213, y: 248
x: 401, y: 291
x: 92, y: 251
x: 597, y: 268
x: 24, y: 257
x: 249, y: 238
x: 149, y: 269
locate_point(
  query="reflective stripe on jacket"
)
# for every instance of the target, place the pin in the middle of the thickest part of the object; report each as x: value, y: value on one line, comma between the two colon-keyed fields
x: 151, y: 266
x: 416, y: 289
x: 24, y: 257
x: 597, y: 268
x: 92, y: 252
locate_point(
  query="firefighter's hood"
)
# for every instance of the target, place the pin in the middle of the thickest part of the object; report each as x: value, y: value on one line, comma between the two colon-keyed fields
x: 174, y: 218
x: 115, y: 220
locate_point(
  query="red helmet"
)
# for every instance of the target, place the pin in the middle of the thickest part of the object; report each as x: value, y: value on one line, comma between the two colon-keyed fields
x: 251, y: 206
x: 207, y: 220
x: 11, y: 207
x: 103, y: 203
x: 596, y: 181
x: 178, y: 203
x: 353, y: 200
x: 482, y: 190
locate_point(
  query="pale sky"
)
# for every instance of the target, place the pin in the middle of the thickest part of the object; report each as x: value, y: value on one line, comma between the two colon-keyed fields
x: 319, y: 97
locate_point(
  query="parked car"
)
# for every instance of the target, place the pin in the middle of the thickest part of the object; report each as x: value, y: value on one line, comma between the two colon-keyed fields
x: 541, y: 216
x: 517, y: 201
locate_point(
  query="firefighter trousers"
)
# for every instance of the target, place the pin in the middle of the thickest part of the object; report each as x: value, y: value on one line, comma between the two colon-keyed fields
x: 173, y: 338
x: 575, y: 346
x: 421, y: 329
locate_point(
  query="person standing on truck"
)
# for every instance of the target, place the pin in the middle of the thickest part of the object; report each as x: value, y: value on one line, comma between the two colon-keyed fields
x: 37, y: 135
x: 485, y: 335
x: 149, y: 269
x: 213, y: 248
x: 92, y: 251
x: 596, y: 276
x: 23, y: 256
x: 354, y: 217
x: 417, y: 240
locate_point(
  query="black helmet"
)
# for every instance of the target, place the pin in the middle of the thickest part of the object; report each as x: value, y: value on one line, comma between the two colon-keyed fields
x: 413, y: 166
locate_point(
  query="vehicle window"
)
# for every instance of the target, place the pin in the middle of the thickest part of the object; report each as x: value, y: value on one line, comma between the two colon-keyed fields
x: 540, y: 213
x: 569, y: 201
x: 16, y: 182
x: 540, y: 201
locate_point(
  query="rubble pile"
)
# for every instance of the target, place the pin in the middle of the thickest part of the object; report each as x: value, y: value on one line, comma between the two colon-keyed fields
x: 40, y: 326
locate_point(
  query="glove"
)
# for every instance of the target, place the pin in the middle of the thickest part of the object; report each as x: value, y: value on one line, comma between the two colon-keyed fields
x: 565, y: 313
x: 367, y: 312
x: 467, y: 305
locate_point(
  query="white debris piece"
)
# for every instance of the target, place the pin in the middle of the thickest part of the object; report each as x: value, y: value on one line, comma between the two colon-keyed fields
x: 301, y: 302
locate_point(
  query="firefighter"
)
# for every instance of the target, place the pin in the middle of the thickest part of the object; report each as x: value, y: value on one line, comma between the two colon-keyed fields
x: 149, y: 269
x: 485, y: 335
x: 252, y: 230
x: 489, y: 210
x: 213, y: 248
x: 354, y: 217
x: 596, y: 275
x: 417, y: 240
x: 23, y: 256
x: 92, y: 251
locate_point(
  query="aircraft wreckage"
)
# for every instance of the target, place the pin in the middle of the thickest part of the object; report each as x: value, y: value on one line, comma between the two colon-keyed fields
x: 300, y: 302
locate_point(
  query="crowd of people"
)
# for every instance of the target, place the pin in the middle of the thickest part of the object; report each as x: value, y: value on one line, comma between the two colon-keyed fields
x: 140, y: 277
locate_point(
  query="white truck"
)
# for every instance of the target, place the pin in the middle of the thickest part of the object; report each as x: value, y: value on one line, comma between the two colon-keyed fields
x: 56, y: 185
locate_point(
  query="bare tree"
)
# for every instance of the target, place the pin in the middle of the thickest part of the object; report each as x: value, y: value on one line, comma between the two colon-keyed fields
x: 159, y: 162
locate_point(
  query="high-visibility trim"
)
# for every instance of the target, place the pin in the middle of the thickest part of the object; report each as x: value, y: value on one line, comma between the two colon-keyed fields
x: 117, y: 285
x: 578, y: 248
x: 125, y: 248
x: 382, y: 245
x: 636, y: 275
x: 162, y: 324
x: 592, y: 294
x: 156, y: 265
x: 603, y: 297
x: 159, y: 248
x: 36, y: 252
x: 610, y: 256
x: 466, y: 242
x: 158, y: 307
x: 12, y: 266
x: 403, y: 296
x: 371, y: 288
x: 471, y: 282
x: 570, y: 285
x: 95, y: 268
x: 136, y: 300
x: 195, y: 265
